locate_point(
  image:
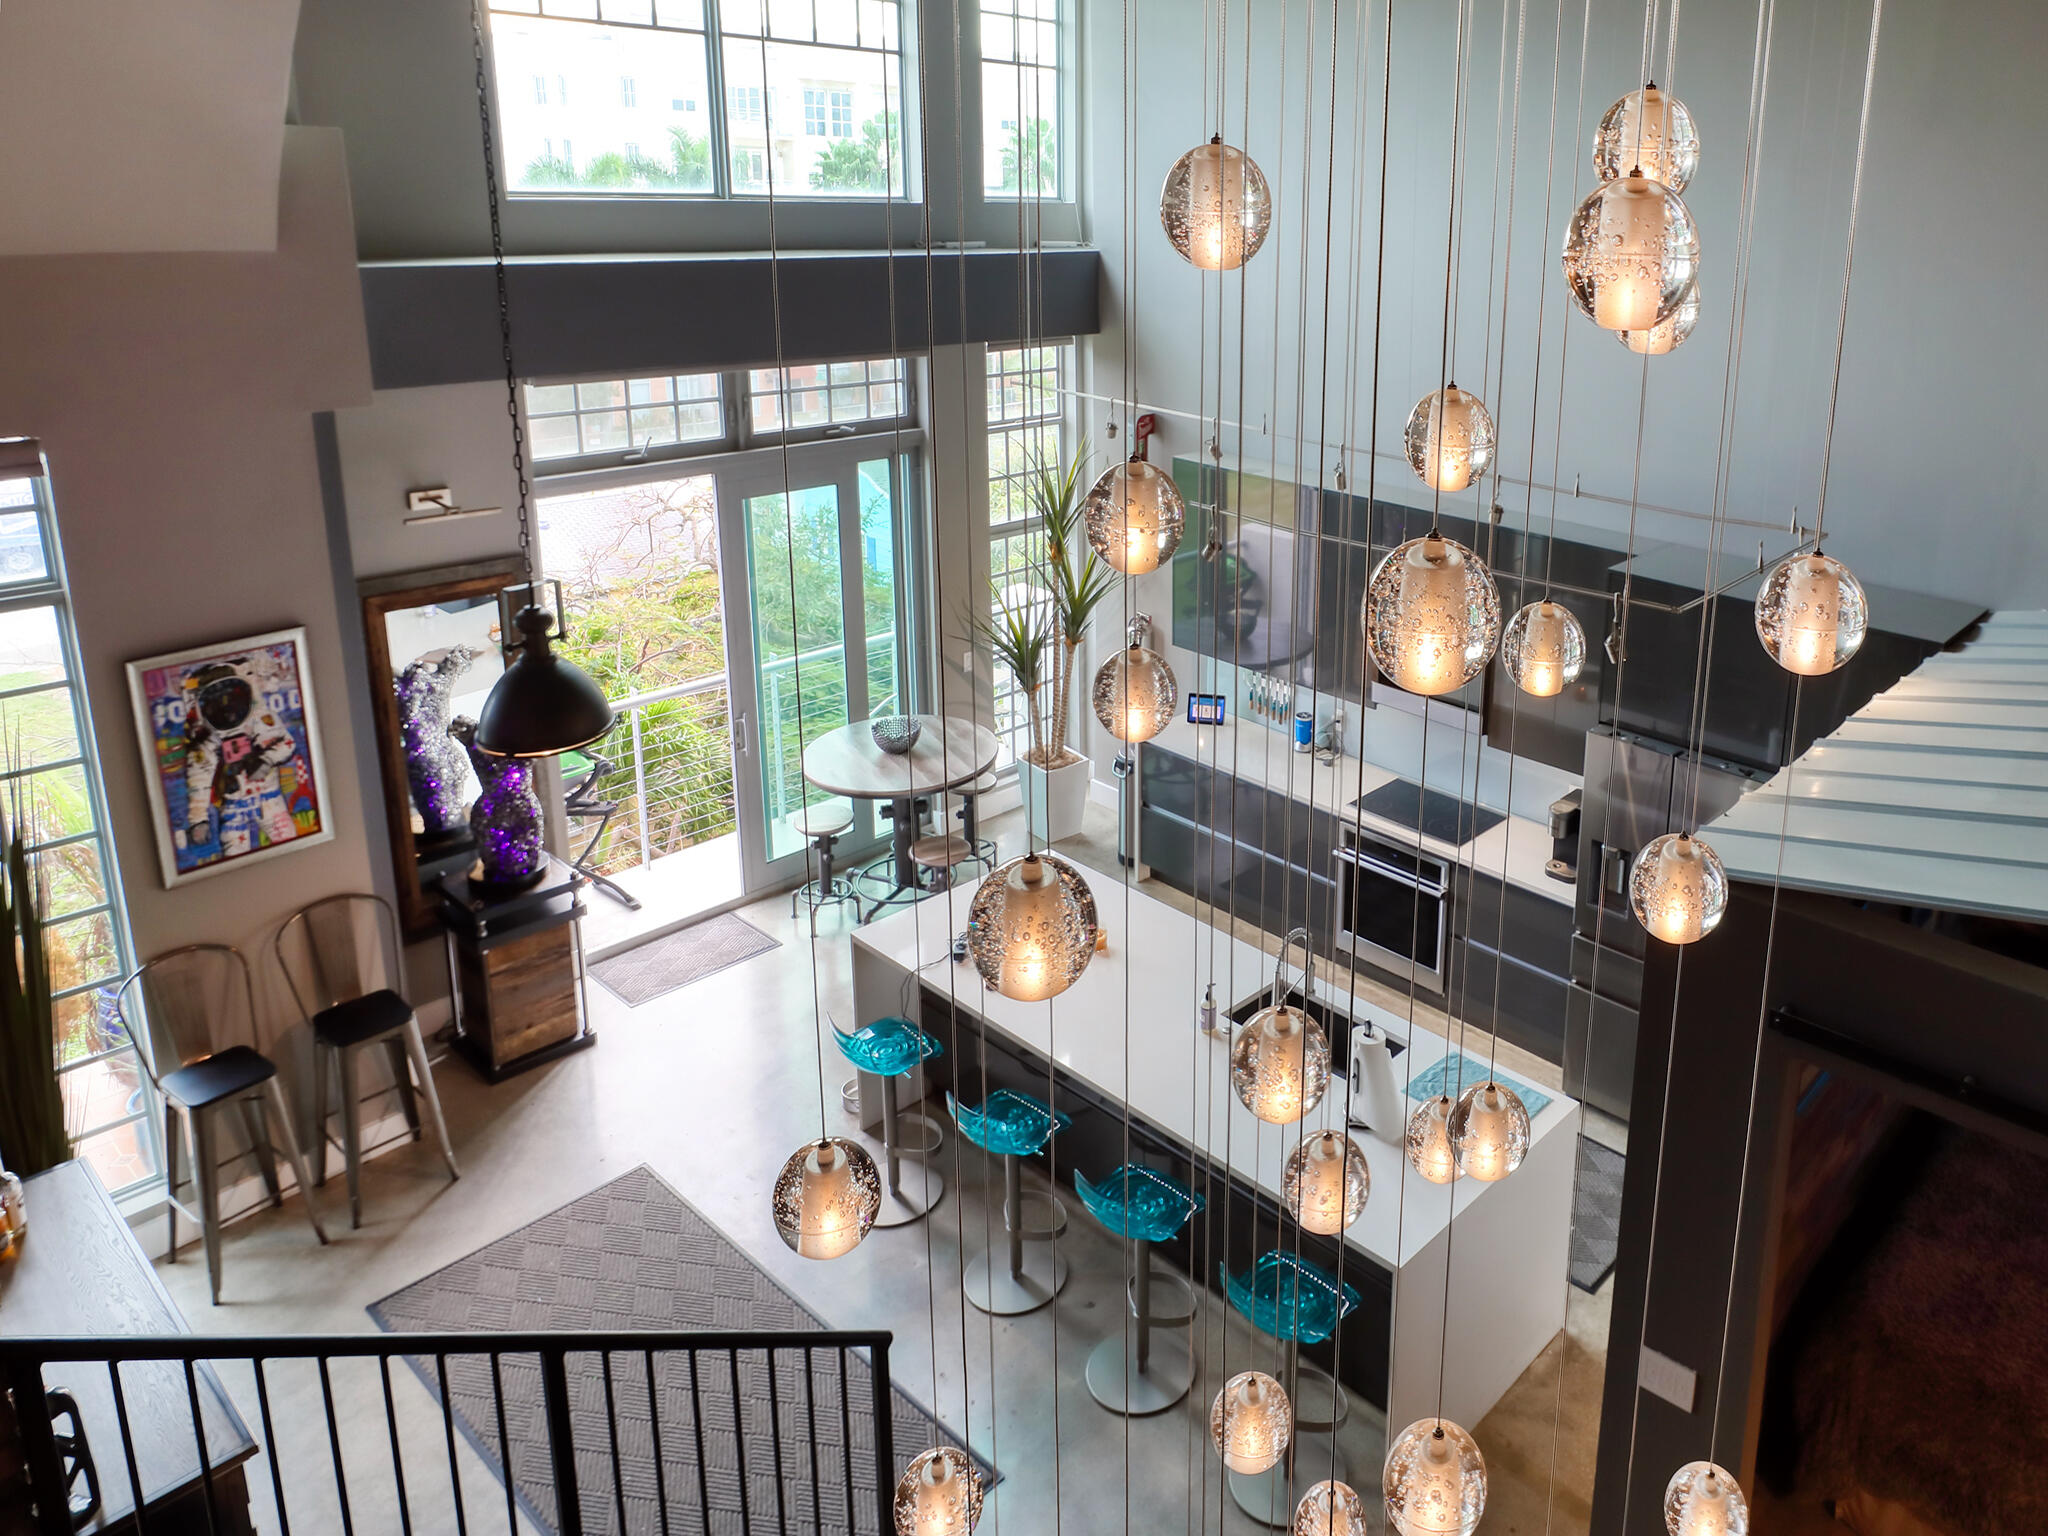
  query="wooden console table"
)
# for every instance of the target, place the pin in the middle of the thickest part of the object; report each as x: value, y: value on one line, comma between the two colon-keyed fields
x: 515, y: 970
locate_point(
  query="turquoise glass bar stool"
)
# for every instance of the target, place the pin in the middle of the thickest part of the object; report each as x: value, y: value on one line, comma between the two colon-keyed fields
x: 1127, y: 1372
x: 891, y: 1048
x: 1298, y: 1303
x: 1015, y: 1126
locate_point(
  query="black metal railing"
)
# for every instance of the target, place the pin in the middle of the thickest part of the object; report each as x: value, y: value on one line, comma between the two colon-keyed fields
x: 564, y: 1432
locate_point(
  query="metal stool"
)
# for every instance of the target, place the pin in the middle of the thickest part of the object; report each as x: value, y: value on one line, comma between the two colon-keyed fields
x: 940, y: 854
x: 892, y: 1048
x: 969, y: 816
x: 1014, y: 1126
x: 1297, y: 1303
x: 581, y: 804
x: 341, y: 959
x: 1127, y: 1373
x: 823, y: 824
x: 193, y: 999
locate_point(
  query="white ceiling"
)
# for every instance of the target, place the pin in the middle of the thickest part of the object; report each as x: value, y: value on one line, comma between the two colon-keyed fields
x: 142, y: 125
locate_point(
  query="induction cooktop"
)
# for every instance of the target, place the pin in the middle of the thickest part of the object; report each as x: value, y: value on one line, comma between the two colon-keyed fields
x: 1444, y: 817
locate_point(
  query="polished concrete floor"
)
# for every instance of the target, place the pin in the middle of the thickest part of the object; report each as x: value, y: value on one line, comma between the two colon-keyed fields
x: 713, y: 1086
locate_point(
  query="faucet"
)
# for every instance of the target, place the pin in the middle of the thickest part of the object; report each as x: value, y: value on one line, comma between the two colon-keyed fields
x: 1308, y: 964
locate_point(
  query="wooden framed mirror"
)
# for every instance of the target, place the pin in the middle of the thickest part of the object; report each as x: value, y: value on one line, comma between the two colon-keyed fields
x: 419, y: 616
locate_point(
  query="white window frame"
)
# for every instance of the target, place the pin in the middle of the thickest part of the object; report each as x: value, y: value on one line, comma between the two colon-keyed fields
x: 1065, y: 116
x: 1014, y: 542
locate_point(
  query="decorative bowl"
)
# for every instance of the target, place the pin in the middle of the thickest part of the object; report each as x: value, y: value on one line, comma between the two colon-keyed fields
x: 896, y: 734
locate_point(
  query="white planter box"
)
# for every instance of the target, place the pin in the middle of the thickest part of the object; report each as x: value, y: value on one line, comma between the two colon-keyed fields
x: 1055, y: 799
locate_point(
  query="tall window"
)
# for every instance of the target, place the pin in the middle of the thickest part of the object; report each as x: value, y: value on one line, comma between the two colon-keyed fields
x: 1026, y: 431
x: 1020, y: 98
x: 841, y: 135
x: 52, y: 775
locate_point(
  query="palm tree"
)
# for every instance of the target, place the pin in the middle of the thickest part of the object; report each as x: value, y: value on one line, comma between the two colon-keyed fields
x: 852, y: 165
x: 1031, y: 153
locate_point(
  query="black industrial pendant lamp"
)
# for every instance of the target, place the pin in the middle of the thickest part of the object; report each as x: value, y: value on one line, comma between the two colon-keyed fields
x: 542, y: 705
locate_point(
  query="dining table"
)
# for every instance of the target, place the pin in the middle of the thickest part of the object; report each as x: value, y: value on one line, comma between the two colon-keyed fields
x: 949, y: 751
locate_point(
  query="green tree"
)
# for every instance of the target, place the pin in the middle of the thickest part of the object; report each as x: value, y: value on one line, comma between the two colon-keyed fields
x: 1031, y: 160
x: 859, y: 165
x: 549, y: 171
x: 691, y: 153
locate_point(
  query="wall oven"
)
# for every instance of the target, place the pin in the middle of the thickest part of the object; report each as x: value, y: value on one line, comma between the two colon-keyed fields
x: 1393, y: 908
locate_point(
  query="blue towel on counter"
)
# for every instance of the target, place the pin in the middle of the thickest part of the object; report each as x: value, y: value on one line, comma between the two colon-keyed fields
x: 1444, y: 1077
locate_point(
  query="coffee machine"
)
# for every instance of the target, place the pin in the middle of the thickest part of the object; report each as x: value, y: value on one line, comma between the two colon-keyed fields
x: 1564, y: 838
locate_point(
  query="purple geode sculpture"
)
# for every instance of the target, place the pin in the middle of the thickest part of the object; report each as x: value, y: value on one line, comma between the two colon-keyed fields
x: 433, y: 763
x: 506, y: 819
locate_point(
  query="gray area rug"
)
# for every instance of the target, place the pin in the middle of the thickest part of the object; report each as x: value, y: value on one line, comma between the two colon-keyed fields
x: 1596, y: 1214
x: 658, y: 967
x: 634, y: 1254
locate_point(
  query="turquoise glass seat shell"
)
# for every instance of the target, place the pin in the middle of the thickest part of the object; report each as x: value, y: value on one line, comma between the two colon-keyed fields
x: 888, y: 1047
x: 1139, y: 1203
x: 1009, y: 1123
x: 1289, y: 1297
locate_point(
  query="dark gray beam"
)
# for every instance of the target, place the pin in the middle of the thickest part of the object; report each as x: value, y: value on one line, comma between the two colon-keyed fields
x: 435, y: 322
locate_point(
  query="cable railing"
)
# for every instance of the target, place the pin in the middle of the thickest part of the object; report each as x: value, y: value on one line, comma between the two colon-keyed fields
x: 562, y: 1432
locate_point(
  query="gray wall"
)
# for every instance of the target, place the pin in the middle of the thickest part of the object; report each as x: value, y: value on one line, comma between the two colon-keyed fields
x: 1938, y: 470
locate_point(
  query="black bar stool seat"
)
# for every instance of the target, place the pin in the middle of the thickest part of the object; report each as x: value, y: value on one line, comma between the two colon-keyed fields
x: 226, y: 1074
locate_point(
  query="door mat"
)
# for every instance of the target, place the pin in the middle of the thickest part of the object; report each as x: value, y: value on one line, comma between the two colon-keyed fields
x: 661, y: 965
x: 1596, y: 1214
x: 634, y: 1255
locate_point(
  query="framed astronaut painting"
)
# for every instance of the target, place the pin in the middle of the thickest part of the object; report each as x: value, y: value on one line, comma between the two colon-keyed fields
x: 231, y: 751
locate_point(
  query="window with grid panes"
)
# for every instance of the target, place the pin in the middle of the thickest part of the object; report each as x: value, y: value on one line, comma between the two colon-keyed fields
x: 53, y: 784
x: 814, y: 91
x: 816, y: 397
x: 615, y: 415
x: 1021, y: 101
x: 1026, y: 431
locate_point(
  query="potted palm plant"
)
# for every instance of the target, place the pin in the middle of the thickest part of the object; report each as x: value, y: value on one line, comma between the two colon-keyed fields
x: 32, y: 1130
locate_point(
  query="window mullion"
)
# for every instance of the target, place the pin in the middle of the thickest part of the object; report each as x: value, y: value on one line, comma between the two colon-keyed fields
x: 714, y: 76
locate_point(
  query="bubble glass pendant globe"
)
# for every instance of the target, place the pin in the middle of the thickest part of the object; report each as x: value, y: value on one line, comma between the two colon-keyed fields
x: 1216, y: 207
x: 939, y: 1494
x: 1325, y: 1183
x: 1251, y: 1423
x: 1703, y: 1500
x: 1631, y: 251
x: 1449, y: 439
x: 1431, y: 615
x: 1668, y: 334
x: 826, y: 1198
x: 1031, y: 927
x: 1490, y: 1131
x: 1811, y: 614
x: 1135, y: 515
x: 1678, y: 888
x: 1543, y: 648
x: 1652, y: 129
x: 1431, y: 1152
x: 1330, y: 1509
x: 1135, y: 694
x: 1280, y: 1064
x: 1435, y: 1480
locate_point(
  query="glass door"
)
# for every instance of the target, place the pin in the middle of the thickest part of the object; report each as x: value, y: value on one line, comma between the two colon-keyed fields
x: 823, y: 640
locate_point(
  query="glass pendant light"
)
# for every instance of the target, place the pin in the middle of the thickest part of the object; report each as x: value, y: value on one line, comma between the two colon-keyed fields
x: 1031, y: 927
x: 1811, y: 614
x: 1668, y: 334
x: 1431, y: 615
x: 939, y: 1494
x: 1280, y: 1065
x: 1543, y: 648
x: 1703, y: 1500
x: 1490, y: 1130
x: 1449, y: 439
x: 1630, y: 252
x: 1135, y: 515
x: 1678, y: 888
x: 1251, y: 1423
x: 1216, y: 206
x: 1325, y: 1183
x: 1330, y: 1509
x: 1652, y: 129
x: 1431, y: 1152
x: 826, y: 1198
x: 1135, y: 692
x: 1435, y: 1480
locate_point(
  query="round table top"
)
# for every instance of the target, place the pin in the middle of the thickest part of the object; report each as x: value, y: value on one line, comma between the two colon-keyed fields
x: 950, y: 751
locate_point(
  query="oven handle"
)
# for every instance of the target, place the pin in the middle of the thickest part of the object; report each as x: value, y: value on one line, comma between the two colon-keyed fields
x: 1393, y: 872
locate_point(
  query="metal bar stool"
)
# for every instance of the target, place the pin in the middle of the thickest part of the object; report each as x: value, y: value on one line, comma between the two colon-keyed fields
x: 892, y: 1048
x: 341, y: 959
x: 823, y: 824
x: 1014, y: 1126
x: 969, y: 817
x: 1127, y: 1372
x: 939, y: 854
x: 1297, y: 1303
x: 193, y: 1001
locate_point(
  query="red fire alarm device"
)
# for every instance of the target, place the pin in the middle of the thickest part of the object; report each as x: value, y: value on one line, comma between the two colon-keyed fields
x: 1141, y: 432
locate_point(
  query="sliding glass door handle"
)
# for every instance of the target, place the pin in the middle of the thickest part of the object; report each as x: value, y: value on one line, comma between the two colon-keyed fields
x: 740, y: 747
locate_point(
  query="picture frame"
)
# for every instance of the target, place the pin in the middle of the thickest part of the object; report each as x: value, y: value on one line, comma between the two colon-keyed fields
x: 230, y: 741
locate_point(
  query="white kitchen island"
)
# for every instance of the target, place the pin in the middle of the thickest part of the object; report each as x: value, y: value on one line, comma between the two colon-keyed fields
x: 1508, y: 1247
